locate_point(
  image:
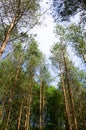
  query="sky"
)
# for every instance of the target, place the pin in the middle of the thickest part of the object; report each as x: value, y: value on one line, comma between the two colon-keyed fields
x: 45, y: 35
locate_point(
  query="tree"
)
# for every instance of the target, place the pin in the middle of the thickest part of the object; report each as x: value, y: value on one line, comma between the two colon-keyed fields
x: 15, y: 15
x: 76, y: 35
x: 33, y: 59
x: 77, y: 80
x: 13, y: 67
x: 57, y: 60
x: 59, y: 57
x: 45, y: 79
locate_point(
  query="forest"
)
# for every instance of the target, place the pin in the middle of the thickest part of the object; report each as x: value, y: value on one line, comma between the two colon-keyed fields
x: 31, y: 97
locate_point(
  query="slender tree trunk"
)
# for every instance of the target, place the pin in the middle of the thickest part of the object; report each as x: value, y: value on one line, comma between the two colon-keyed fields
x: 20, y: 114
x: 65, y: 100
x: 28, y: 114
x: 29, y: 98
x: 8, y: 118
x: 2, y: 108
x: 70, y: 95
x: 1, y: 111
x: 2, y: 115
x: 82, y: 116
x: 42, y: 104
x: 43, y: 96
x: 40, y: 116
x: 27, y: 120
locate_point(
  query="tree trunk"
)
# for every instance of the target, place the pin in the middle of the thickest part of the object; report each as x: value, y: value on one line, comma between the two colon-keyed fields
x: 43, y: 96
x: 20, y: 114
x: 65, y: 100
x: 7, y: 37
x: 8, y: 118
x: 70, y: 95
x: 42, y: 104
x: 1, y: 111
x: 40, y: 116
x: 27, y: 120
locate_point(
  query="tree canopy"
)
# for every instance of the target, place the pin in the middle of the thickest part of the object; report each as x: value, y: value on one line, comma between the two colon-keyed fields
x: 64, y: 9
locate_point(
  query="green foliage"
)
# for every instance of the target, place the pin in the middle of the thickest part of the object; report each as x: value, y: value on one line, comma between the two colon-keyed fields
x: 24, y: 65
x: 45, y: 75
x: 76, y: 35
x: 54, y: 110
x: 57, y: 53
x: 33, y: 55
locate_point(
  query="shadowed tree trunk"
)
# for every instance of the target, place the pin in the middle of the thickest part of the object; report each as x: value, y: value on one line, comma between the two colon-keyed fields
x: 66, y: 100
x: 70, y: 94
x: 40, y: 116
x: 8, y: 117
x: 28, y: 108
x: 42, y: 104
x: 41, y: 120
x: 20, y: 114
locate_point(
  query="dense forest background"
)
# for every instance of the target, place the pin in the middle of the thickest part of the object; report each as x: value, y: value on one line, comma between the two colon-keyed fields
x: 28, y: 100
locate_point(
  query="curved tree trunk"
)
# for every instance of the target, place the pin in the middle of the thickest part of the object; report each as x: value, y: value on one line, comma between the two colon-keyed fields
x: 8, y: 34
x: 10, y: 29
